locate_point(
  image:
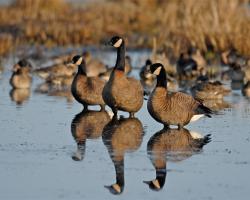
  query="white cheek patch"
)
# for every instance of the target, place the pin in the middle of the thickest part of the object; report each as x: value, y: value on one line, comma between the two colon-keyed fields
x: 157, y: 71
x: 118, y: 43
x: 156, y: 184
x: 79, y: 61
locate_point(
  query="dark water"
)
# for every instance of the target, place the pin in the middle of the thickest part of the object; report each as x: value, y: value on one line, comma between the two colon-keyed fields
x: 37, y: 147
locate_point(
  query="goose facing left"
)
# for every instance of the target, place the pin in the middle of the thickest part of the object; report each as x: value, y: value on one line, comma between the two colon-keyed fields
x: 176, y: 108
x: 122, y: 92
x: 86, y: 90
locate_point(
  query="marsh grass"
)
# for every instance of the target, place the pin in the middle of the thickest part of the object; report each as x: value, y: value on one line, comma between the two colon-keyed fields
x: 210, y: 25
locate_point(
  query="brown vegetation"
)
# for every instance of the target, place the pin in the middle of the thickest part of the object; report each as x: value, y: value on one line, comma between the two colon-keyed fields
x: 176, y: 24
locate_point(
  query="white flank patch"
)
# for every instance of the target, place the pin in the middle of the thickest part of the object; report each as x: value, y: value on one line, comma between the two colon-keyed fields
x: 79, y: 61
x: 118, y: 43
x: 196, y: 117
x: 195, y: 135
x: 157, y: 71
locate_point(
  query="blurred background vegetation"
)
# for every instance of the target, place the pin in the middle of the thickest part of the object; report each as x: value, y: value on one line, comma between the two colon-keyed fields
x: 210, y: 25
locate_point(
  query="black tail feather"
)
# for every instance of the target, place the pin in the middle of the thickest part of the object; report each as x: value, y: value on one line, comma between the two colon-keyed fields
x: 201, y: 109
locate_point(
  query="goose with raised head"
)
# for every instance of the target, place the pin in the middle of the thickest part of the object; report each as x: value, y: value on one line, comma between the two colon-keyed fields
x: 122, y: 92
x: 172, y: 145
x: 86, y: 90
x: 175, y: 108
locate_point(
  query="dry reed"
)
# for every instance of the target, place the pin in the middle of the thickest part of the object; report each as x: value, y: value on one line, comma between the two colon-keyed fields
x: 214, y: 25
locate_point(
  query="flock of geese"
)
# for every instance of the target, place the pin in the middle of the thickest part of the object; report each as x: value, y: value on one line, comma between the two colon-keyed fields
x: 92, y: 83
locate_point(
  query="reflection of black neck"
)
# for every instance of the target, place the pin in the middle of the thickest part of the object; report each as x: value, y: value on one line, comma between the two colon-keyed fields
x: 119, y: 170
x: 120, y: 60
x: 161, y: 176
x: 161, y: 79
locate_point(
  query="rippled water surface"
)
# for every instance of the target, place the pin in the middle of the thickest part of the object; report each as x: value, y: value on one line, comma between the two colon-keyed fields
x: 47, y: 151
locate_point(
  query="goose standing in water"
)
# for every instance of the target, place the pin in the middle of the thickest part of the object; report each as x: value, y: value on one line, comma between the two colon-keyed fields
x: 171, y: 145
x: 176, y: 108
x: 122, y: 92
x: 86, y: 90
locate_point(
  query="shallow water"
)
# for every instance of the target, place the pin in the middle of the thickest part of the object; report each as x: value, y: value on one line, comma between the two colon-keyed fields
x: 37, y: 147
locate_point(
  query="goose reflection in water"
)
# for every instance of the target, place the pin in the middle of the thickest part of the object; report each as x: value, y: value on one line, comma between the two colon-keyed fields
x: 87, y: 125
x: 121, y: 136
x: 20, y: 95
x: 172, y: 145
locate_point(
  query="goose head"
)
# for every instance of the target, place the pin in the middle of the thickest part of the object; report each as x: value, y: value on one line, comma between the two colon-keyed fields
x: 156, y: 68
x: 116, y: 41
x: 23, y: 63
x: 80, y: 62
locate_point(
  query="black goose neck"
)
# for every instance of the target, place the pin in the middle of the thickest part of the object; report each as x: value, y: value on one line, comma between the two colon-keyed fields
x: 162, y: 79
x: 120, y: 60
x: 81, y: 68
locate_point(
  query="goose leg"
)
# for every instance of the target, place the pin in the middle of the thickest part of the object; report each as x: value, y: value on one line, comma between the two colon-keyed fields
x: 166, y: 126
x: 180, y: 126
x: 131, y: 114
x: 102, y: 107
x: 85, y: 107
x: 114, y: 110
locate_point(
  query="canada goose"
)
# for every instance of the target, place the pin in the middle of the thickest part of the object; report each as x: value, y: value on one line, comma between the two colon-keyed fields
x: 122, y: 92
x: 127, y: 68
x: 186, y: 67
x: 209, y: 90
x: 246, y: 89
x: 216, y: 104
x: 175, y: 108
x: 86, y: 90
x: 19, y: 95
x: 121, y: 136
x: 55, y: 70
x: 94, y: 67
x: 87, y: 125
x: 171, y: 145
x: 21, y: 78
